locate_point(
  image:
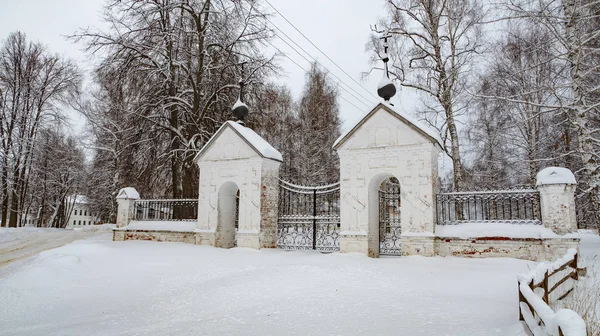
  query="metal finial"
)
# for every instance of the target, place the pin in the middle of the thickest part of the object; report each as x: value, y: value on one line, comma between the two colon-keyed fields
x: 386, y: 88
x: 239, y: 109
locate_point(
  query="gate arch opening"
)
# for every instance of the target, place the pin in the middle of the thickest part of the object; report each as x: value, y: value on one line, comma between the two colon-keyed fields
x: 227, y: 215
x: 384, y: 216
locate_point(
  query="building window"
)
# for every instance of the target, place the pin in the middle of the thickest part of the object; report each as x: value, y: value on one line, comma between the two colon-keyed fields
x: 79, y: 223
x: 74, y: 222
x: 85, y: 213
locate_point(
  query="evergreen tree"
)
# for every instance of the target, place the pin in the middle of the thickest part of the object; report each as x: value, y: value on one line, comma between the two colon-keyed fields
x: 319, y: 128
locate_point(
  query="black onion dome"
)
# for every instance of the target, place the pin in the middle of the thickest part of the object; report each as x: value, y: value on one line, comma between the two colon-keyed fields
x: 240, y: 110
x: 386, y: 89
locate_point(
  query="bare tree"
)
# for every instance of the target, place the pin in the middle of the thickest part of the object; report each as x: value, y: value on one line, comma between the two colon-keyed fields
x: 433, y: 45
x: 524, y: 125
x: 33, y: 84
x: 186, y: 54
x: 57, y: 176
x: 573, y: 28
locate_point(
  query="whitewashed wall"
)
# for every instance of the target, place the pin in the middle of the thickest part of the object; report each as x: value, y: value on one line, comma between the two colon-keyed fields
x: 382, y: 147
x: 231, y: 160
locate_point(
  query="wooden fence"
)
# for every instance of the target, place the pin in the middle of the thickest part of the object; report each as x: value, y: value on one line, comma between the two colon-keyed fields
x: 545, y: 285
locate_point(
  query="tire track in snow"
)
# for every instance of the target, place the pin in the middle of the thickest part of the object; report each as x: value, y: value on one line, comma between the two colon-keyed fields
x: 36, y: 244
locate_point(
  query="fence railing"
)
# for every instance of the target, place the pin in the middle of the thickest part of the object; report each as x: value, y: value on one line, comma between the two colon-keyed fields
x: 166, y: 210
x: 498, y: 206
x: 545, y: 285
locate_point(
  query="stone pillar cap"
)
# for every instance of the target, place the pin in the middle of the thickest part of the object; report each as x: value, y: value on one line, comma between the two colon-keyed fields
x: 128, y: 193
x: 555, y: 175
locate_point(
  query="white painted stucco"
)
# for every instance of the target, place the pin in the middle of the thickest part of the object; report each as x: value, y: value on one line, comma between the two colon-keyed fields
x: 381, y: 147
x: 227, y: 165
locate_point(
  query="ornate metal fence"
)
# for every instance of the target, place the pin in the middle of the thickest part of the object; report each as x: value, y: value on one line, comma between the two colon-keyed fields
x: 498, y: 206
x: 309, y: 217
x: 166, y: 210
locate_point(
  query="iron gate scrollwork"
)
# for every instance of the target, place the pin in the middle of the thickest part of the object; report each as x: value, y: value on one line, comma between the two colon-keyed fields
x: 389, y: 218
x: 309, y: 217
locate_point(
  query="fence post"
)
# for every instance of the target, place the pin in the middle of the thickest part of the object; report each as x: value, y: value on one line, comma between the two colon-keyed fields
x: 546, y: 287
x: 125, y: 199
x: 574, y: 265
x: 557, y: 189
x: 521, y: 299
x: 314, y: 219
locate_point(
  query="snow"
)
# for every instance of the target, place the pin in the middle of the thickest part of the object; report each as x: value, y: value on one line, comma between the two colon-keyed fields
x: 79, y: 199
x: 589, y: 247
x: 417, y: 234
x: 260, y: 145
x: 238, y: 103
x: 100, y: 287
x: 427, y: 130
x: 383, y: 82
x: 478, y: 230
x: 256, y: 141
x: 178, y: 226
x: 20, y: 243
x: 570, y: 323
x: 555, y: 175
x: 128, y: 193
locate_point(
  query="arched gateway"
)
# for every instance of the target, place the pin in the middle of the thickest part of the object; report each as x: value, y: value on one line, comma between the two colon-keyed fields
x: 237, y: 162
x: 386, y: 146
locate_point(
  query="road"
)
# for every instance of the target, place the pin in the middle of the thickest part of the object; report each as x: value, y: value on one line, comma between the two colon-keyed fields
x: 21, y: 243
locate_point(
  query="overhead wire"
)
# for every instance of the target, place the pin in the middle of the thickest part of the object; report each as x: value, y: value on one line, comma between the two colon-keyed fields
x: 317, y: 62
x: 319, y: 49
x: 307, y: 72
x: 306, y: 59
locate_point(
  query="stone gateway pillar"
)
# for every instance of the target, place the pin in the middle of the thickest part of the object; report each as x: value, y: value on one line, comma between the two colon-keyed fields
x: 557, y: 199
x: 125, y: 199
x: 387, y: 145
x: 238, y: 189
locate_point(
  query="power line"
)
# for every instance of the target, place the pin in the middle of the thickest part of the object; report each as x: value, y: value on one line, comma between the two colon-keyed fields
x: 306, y: 59
x: 307, y: 53
x: 321, y: 51
x: 307, y: 72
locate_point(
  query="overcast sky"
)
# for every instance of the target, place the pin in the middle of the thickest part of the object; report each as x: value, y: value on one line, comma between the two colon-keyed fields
x: 340, y: 28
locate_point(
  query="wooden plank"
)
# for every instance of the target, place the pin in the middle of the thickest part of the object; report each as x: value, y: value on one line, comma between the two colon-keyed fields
x: 546, y: 292
x: 565, y: 295
x: 567, y: 277
x: 561, y: 268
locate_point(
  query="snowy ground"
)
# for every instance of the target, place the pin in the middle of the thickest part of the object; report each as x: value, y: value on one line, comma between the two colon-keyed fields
x: 17, y: 244
x: 99, y: 287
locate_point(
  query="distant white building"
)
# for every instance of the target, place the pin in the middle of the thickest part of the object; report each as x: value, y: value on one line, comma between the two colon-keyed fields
x: 81, y: 215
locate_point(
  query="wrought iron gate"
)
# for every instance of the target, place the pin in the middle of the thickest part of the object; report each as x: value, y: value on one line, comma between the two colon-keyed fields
x: 309, y: 217
x: 389, y: 218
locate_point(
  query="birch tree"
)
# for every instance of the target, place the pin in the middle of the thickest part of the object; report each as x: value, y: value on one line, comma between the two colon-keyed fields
x: 573, y: 26
x: 433, y: 45
x: 519, y: 132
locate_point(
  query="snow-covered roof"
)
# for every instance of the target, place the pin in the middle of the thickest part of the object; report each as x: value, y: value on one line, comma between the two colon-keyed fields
x: 128, y: 193
x: 555, y: 175
x: 408, y: 120
x: 77, y: 199
x: 255, y: 141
